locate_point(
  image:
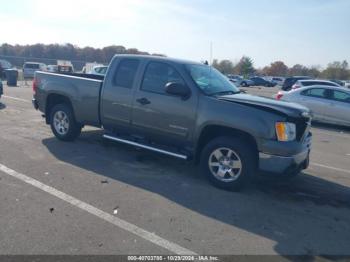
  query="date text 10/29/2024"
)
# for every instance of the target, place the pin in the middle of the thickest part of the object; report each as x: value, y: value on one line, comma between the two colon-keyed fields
x: 173, y: 258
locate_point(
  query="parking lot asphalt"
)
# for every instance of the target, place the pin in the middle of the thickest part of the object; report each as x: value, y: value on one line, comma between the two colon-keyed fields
x: 93, y: 196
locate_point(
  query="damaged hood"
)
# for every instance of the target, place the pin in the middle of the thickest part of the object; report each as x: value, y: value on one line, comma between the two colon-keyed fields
x: 267, y: 104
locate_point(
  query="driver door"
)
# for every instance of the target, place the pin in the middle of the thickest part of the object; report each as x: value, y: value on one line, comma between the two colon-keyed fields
x: 159, y: 116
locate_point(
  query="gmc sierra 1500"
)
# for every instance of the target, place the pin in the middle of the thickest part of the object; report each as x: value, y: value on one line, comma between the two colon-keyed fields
x: 183, y: 109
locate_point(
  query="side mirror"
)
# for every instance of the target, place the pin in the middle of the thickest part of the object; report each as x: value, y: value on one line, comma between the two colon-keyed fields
x: 178, y: 89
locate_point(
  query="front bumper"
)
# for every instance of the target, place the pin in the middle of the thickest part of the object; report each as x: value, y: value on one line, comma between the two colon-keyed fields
x: 286, y: 164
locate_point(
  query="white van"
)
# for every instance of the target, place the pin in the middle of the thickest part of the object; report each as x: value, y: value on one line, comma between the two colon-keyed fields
x: 29, y: 68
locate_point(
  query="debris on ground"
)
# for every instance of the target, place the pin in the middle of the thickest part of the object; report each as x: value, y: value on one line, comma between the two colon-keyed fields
x: 115, y: 210
x: 51, y: 210
x: 104, y: 181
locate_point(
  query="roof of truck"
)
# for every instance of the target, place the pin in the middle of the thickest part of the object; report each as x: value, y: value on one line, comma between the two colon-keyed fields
x: 160, y: 58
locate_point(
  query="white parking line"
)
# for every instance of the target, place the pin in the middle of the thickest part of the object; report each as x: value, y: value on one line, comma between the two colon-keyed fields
x: 16, y: 98
x: 155, y: 239
x: 331, y: 167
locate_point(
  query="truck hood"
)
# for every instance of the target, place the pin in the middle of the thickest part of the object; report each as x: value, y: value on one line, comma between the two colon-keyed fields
x: 283, y: 108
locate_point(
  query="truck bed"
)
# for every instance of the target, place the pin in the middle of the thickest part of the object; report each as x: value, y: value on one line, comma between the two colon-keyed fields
x: 83, y: 90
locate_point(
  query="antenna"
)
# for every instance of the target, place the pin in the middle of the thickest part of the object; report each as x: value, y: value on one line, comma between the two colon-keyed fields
x: 211, y: 53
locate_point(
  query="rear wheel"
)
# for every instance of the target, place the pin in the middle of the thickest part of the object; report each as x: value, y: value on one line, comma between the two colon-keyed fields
x: 63, y: 123
x: 228, y: 162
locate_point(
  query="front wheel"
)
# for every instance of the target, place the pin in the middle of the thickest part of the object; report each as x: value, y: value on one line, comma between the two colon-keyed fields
x: 228, y: 162
x: 63, y: 123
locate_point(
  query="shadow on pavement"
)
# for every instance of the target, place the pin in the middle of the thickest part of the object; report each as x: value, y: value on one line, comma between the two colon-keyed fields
x: 2, y: 106
x: 286, y: 212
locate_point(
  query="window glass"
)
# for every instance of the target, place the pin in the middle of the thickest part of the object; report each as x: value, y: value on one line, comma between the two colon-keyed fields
x: 210, y: 80
x: 330, y: 84
x: 325, y: 84
x: 308, y: 83
x: 316, y: 92
x: 126, y: 71
x: 311, y: 83
x: 341, y: 96
x: 157, y: 75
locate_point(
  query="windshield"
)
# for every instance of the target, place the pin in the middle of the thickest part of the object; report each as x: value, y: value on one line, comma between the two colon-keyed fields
x: 210, y: 80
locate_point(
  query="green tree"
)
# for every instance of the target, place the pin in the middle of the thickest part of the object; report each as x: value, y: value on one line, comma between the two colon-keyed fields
x: 245, y: 66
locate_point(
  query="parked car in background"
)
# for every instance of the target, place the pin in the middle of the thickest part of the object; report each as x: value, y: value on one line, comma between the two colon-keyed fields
x: 278, y: 80
x: 259, y: 81
x: 290, y: 81
x: 240, y: 80
x: 52, y: 68
x: 339, y: 82
x: 329, y: 104
x: 347, y: 84
x: 29, y: 69
x: 302, y: 83
x: 3, y: 66
x: 65, y: 66
x: 246, y: 82
x: 235, y: 78
x: 98, y: 70
x: 89, y: 66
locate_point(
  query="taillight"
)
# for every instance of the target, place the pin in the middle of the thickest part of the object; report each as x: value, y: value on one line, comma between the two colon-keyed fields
x: 35, y: 85
x: 279, y: 96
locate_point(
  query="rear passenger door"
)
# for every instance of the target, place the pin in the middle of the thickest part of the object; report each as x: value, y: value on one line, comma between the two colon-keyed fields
x: 316, y: 99
x: 339, y: 109
x: 118, y: 93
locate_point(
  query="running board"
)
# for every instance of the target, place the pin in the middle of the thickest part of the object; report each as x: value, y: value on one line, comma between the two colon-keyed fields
x: 162, y: 151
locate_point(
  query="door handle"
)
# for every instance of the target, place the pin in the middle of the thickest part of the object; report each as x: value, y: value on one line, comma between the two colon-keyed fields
x: 143, y: 101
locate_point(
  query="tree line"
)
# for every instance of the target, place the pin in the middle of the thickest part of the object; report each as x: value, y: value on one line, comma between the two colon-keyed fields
x: 48, y: 54
x: 245, y: 67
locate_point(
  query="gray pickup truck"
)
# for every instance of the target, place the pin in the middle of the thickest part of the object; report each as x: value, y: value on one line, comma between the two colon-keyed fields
x: 182, y: 109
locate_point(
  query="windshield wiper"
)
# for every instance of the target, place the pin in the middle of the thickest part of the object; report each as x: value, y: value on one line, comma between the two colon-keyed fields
x: 222, y: 93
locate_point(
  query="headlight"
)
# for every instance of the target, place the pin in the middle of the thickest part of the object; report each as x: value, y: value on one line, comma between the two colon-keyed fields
x: 285, y: 131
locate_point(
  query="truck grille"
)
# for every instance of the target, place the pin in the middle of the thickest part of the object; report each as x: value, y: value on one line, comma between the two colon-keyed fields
x: 302, y: 127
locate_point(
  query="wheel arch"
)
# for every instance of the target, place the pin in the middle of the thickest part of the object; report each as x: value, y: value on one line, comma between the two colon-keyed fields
x: 211, y: 132
x: 55, y: 99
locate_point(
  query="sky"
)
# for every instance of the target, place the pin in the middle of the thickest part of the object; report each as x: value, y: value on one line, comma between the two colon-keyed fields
x: 309, y: 32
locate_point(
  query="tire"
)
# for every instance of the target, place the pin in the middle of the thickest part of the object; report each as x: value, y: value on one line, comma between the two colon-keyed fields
x: 242, y: 162
x: 63, y: 123
x: 244, y: 84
